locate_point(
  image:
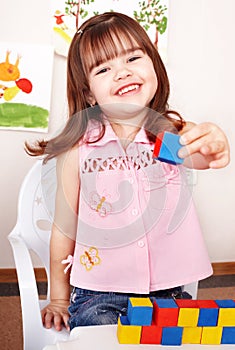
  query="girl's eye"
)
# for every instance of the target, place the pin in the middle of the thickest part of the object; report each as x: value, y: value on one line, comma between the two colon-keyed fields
x: 102, y: 70
x: 133, y: 58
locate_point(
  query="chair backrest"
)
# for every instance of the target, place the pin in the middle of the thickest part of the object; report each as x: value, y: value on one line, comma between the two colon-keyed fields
x: 36, y: 209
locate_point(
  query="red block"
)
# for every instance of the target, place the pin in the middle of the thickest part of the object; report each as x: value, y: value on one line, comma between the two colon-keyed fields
x: 158, y: 144
x: 188, y: 303
x: 207, y: 304
x: 151, y: 334
x: 165, y: 316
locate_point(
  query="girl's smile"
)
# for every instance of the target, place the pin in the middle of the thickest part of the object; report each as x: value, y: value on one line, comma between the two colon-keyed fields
x: 129, y: 89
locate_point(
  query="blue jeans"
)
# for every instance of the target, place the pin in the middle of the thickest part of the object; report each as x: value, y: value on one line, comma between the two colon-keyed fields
x: 88, y: 308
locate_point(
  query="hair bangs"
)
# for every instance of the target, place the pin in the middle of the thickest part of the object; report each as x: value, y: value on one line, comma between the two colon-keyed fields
x: 106, y: 43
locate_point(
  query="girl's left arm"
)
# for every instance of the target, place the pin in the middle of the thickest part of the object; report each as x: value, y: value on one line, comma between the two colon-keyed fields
x: 205, y: 146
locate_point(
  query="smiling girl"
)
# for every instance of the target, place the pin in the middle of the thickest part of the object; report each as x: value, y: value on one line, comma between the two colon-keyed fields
x: 124, y: 221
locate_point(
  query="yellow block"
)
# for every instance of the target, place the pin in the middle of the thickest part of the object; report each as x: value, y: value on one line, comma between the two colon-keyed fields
x: 192, y: 335
x: 141, y: 302
x: 226, y: 317
x: 211, y: 335
x: 128, y: 334
x: 188, y: 317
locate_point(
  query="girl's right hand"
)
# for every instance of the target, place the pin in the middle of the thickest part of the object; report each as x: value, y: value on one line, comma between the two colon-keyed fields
x: 56, y: 314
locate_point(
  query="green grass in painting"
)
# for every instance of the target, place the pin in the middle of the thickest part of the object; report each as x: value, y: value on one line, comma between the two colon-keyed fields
x: 23, y: 115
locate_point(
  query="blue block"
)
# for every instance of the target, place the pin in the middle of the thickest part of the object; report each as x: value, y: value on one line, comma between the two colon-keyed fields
x: 208, y: 317
x: 227, y: 303
x: 170, y: 146
x: 166, y: 303
x: 124, y: 321
x: 228, y: 335
x: 139, y: 315
x: 172, y: 335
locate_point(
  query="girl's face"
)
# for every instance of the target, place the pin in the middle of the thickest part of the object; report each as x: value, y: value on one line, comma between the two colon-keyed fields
x: 129, y: 79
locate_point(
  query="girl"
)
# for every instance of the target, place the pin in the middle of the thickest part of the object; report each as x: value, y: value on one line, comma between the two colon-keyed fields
x: 124, y: 221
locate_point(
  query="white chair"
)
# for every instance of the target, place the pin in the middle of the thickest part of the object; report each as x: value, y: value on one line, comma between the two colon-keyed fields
x: 192, y: 289
x: 32, y: 233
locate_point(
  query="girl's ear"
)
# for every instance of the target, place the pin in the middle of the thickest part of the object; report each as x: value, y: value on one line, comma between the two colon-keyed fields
x: 90, y: 98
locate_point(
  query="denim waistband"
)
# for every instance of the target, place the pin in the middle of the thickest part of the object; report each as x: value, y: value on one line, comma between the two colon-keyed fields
x: 175, y: 292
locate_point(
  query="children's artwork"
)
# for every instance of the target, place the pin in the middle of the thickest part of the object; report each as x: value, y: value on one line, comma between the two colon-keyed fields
x: 68, y: 15
x: 25, y: 86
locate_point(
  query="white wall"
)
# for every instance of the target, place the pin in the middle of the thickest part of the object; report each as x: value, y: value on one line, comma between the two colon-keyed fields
x: 201, y: 56
x: 27, y: 22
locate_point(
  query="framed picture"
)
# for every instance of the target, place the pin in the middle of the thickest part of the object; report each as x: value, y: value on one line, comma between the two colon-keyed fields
x: 25, y: 86
x: 68, y: 15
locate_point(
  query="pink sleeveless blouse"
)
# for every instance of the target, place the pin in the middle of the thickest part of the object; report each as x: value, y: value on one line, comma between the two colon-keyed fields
x: 138, y: 230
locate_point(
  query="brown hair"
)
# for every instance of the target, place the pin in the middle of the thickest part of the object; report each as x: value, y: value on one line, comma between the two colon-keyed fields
x: 94, y: 43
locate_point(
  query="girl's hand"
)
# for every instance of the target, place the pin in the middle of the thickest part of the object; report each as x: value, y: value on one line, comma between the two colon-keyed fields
x: 56, y: 314
x: 206, y: 146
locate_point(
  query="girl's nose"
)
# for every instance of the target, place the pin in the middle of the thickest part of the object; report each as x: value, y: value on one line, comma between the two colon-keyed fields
x: 122, y: 73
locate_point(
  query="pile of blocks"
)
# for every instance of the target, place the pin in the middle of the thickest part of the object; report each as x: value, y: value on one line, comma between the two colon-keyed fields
x: 176, y: 322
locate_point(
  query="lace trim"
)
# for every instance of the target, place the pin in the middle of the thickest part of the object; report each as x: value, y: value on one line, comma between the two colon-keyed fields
x: 118, y: 163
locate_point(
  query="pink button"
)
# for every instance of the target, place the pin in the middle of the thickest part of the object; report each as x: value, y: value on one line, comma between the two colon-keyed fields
x: 134, y: 212
x: 141, y: 244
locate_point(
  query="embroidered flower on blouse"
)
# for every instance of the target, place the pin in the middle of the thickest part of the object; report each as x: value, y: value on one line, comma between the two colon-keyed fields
x: 99, y: 204
x: 90, y: 258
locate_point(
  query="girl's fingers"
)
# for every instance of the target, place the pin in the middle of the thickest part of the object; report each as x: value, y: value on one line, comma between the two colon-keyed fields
x: 196, y: 132
x: 54, y: 316
x: 221, y: 160
x: 208, y: 140
x: 213, y: 148
x: 65, y: 319
x: 58, y: 322
x: 48, y: 318
x: 204, y: 146
x: 192, y: 148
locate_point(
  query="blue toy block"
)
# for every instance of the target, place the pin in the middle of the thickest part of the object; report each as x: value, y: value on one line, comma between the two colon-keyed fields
x: 225, y: 303
x: 226, y: 316
x: 166, y: 148
x: 208, y: 313
x: 140, y: 311
x: 172, y: 335
x: 166, y: 303
x: 228, y: 335
x: 124, y: 321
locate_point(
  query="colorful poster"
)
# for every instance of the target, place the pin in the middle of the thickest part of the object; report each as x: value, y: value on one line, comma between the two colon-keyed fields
x: 25, y: 86
x: 68, y: 15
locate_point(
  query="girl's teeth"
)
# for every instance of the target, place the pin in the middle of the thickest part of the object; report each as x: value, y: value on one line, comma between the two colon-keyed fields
x: 129, y: 88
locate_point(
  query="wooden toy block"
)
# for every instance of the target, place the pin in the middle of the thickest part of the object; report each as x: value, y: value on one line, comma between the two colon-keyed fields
x: 208, y: 313
x: 126, y: 333
x: 211, y: 335
x: 166, y: 148
x: 228, y: 335
x: 140, y: 311
x: 188, y: 312
x: 226, y: 315
x: 151, y: 334
x: 192, y: 335
x: 165, y: 312
x: 172, y: 335
x: 225, y: 303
